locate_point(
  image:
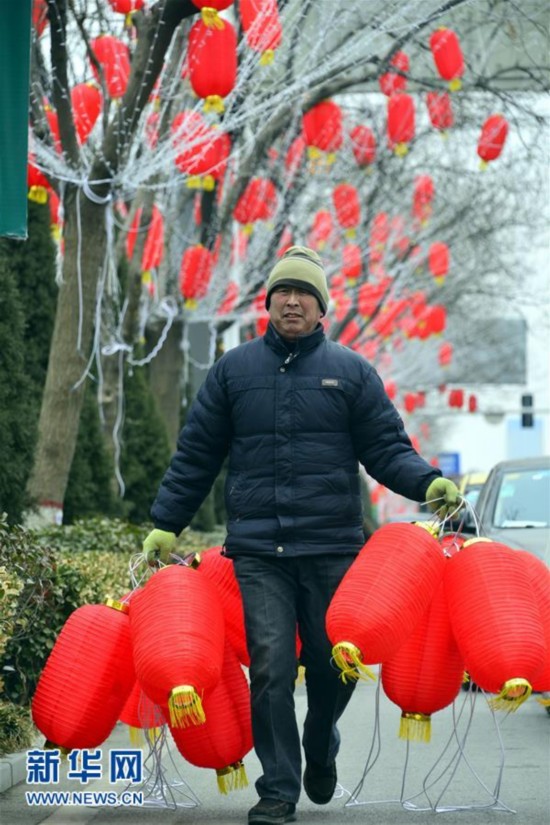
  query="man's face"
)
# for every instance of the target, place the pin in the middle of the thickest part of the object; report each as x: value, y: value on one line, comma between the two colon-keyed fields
x: 294, y: 312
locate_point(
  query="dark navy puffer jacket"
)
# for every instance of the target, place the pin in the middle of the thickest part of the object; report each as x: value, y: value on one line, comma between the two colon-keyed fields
x: 296, y: 425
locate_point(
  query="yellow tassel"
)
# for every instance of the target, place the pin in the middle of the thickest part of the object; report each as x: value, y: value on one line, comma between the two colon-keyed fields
x: 455, y: 85
x: 314, y: 153
x: 300, y: 678
x: 544, y: 702
x: 211, y: 18
x: 208, y: 183
x: 194, y: 182
x: 348, y: 658
x: 232, y: 778
x: 267, y: 57
x: 350, y: 233
x: 416, y: 727
x: 146, y: 277
x: 483, y: 164
x: 465, y: 677
x: 185, y: 707
x: 214, y: 103
x: 331, y: 158
x: 248, y: 229
x: 401, y: 149
x: 513, y: 694
x: 191, y: 303
x: 38, y: 194
x: 136, y: 736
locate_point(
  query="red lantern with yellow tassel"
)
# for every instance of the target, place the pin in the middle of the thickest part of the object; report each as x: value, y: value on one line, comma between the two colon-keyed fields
x: 258, y: 202
x: 37, y: 183
x: 87, y: 678
x: 401, y: 122
x: 321, y: 230
x: 391, y: 82
x: 492, y: 138
x: 212, y: 61
x: 114, y: 58
x: 195, y: 273
x: 202, y: 149
x: 440, y: 110
x: 425, y: 675
x: 496, y: 621
x: 225, y: 738
x: 363, y: 145
x: 219, y: 570
x: 347, y: 207
x: 352, y: 264
x: 439, y: 261
x: 423, y: 195
x: 538, y: 574
x: 262, y: 27
x: 142, y: 716
x: 322, y: 129
x: 87, y: 102
x: 383, y: 596
x: 456, y: 398
x: 447, y: 55
x: 153, y: 250
x: 178, y: 641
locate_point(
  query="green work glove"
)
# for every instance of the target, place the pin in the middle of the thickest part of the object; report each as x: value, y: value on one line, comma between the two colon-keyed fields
x: 158, y: 546
x: 442, y: 495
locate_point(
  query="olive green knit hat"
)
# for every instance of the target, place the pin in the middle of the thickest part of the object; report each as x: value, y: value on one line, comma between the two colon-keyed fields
x: 300, y: 267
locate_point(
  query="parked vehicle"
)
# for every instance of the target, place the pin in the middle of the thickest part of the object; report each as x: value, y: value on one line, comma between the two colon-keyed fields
x: 470, y: 486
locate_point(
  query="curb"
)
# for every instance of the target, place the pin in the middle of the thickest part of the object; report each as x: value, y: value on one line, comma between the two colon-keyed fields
x: 13, y: 770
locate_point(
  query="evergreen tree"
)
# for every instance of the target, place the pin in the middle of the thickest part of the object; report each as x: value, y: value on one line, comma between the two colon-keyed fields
x: 17, y: 420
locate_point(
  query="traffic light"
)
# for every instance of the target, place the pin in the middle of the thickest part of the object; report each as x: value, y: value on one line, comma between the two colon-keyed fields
x: 527, y: 415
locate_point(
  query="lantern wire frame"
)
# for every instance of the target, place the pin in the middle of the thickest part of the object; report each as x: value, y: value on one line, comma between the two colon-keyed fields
x: 444, y: 768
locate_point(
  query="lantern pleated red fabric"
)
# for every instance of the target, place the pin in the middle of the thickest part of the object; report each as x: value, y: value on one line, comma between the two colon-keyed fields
x: 401, y: 122
x: 153, y: 249
x: 447, y: 55
x: 383, y: 596
x: 87, y: 678
x: 140, y: 714
x: 262, y: 27
x: 352, y: 264
x: 114, y: 58
x: 495, y: 620
x: 219, y: 570
x: 440, y: 110
x: 425, y: 674
x: 178, y: 641
x: 225, y: 738
x: 196, y: 267
x: 87, y: 101
x: 212, y: 61
x: 391, y: 82
x: 363, y: 145
x: 439, y: 261
x: 322, y: 128
x: 347, y: 207
x: 539, y: 576
x: 492, y: 138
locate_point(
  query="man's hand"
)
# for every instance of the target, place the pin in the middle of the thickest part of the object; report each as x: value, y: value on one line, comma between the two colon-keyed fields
x: 442, y: 495
x: 158, y: 546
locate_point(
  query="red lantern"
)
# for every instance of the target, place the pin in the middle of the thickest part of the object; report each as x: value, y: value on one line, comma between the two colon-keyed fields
x: 114, y: 58
x: 472, y: 404
x: 370, y: 296
x: 351, y: 331
x: 401, y: 122
x: 212, y: 61
x: 195, y: 273
x: 425, y: 674
x: 178, y: 641
x: 87, y: 102
x: 153, y: 250
x: 140, y: 714
x: 538, y: 574
x: 440, y: 110
x: 87, y: 678
x: 445, y: 354
x: 363, y: 145
x: 347, y: 207
x: 40, y: 15
x: 219, y: 569
x: 206, y: 6
x: 352, y: 264
x: 456, y: 399
x: 438, y: 261
x: 447, y: 56
x: 391, y: 389
x: 225, y: 738
x: 322, y: 128
x: 126, y: 6
x: 258, y: 202
x: 322, y: 229
x: 37, y: 183
x: 205, y: 149
x: 383, y: 596
x: 423, y: 195
x: 230, y: 299
x: 379, y: 233
x: 496, y: 621
x: 492, y: 138
x: 262, y: 27
x: 390, y: 82
x: 342, y: 303
x: 53, y: 123
x: 294, y: 156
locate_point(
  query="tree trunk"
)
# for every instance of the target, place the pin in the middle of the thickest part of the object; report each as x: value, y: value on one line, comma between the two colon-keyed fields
x: 69, y: 354
x: 165, y: 377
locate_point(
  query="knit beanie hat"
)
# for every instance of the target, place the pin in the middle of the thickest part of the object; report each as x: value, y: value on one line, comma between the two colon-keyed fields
x: 302, y: 268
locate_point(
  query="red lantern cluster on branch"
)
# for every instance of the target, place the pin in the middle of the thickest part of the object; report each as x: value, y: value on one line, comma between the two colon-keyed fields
x: 347, y: 207
x: 492, y: 138
x: 363, y: 145
x: 447, y: 55
x: 391, y: 82
x: 262, y: 27
x: 212, y: 61
x: 322, y: 129
x: 401, y: 122
x: 196, y: 268
x: 440, y: 110
x: 114, y: 58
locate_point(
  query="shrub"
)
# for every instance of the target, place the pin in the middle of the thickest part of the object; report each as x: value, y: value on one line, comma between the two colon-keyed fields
x: 17, y: 731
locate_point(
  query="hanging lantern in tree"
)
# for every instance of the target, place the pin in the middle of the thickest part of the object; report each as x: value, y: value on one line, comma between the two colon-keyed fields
x: 262, y: 27
x: 347, y: 207
x: 496, y: 621
x: 401, y: 122
x: 153, y: 250
x: 425, y: 675
x: 447, y: 55
x: 383, y: 596
x: 342, y: 302
x: 423, y: 195
x: 369, y: 297
x: 178, y: 641
x: 472, y: 404
x: 379, y: 233
x: 53, y: 123
x: 322, y: 130
x: 445, y: 354
x: 492, y: 138
x: 258, y: 202
x: 126, y: 7
x: 222, y: 742
x: 321, y: 230
x: 212, y: 61
x: 87, y: 102
x: 195, y: 273
x: 87, y: 678
x: 114, y: 58
x: 210, y: 8
x: 39, y: 16
x: 439, y: 261
x: 391, y: 82
x: 352, y: 264
x: 456, y: 399
x: 363, y: 145
x: 37, y: 183
x: 203, y: 150
x: 440, y: 110
x: 230, y: 299
x: 350, y: 333
x: 219, y: 569
x: 295, y: 155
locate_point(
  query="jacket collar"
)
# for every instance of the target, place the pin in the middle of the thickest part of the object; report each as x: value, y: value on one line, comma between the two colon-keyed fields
x: 308, y: 342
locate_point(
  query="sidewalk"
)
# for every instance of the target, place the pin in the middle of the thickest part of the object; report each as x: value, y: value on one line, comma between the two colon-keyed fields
x: 465, y: 788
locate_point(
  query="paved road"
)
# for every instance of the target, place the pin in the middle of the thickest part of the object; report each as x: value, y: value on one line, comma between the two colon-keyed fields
x: 504, y: 765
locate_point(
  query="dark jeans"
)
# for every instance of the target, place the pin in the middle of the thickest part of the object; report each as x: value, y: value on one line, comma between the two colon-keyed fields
x: 280, y: 595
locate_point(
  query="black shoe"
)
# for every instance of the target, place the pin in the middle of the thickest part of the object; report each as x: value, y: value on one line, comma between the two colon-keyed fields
x: 320, y: 781
x: 272, y: 812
